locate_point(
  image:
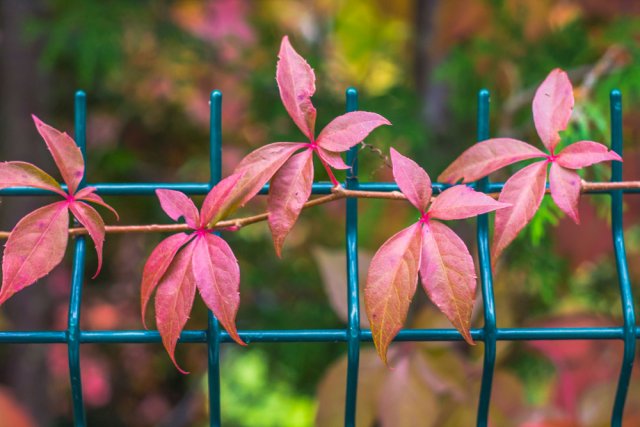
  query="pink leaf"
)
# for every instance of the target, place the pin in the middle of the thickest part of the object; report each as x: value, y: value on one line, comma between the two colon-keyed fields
x: 585, y: 153
x: 448, y: 275
x: 94, y: 224
x: 412, y: 180
x: 35, y: 246
x: 177, y: 204
x: 22, y: 174
x: 552, y: 107
x: 258, y: 168
x: 332, y: 159
x: 218, y: 201
x: 391, y: 284
x: 296, y: 82
x: 65, y: 152
x: 88, y: 195
x: 461, y: 202
x: 486, y: 157
x: 174, y: 299
x: 524, y: 191
x: 290, y: 189
x: 217, y: 274
x: 349, y: 129
x: 157, y: 265
x: 565, y: 188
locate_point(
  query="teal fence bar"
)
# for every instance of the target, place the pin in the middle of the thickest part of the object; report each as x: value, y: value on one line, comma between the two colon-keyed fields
x: 490, y: 334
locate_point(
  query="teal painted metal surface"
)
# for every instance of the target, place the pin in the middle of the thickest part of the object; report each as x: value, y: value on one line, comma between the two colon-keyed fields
x: 626, y: 295
x: 351, y: 231
x: 486, y: 278
x: 352, y: 335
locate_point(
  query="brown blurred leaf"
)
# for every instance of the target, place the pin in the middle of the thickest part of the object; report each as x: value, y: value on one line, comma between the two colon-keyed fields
x: 406, y: 401
x: 12, y: 414
x: 332, y: 390
x: 332, y: 266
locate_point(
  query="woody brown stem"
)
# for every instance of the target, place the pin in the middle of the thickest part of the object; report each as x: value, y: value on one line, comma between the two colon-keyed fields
x: 337, y: 193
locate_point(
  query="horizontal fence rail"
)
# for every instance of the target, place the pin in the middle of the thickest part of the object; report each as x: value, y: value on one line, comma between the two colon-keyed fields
x: 353, y: 335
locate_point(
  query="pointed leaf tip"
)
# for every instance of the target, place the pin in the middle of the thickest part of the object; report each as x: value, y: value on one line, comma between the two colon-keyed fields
x: 413, y: 181
x: 35, y: 246
x: 290, y: 189
x: 66, y: 154
x: 552, y: 107
x: 349, y: 129
x: 217, y: 276
x: 296, y: 82
x: 391, y: 284
x: 460, y: 201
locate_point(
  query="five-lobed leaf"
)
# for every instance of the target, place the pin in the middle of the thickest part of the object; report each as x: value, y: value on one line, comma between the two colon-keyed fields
x: 35, y: 246
x: 391, y: 284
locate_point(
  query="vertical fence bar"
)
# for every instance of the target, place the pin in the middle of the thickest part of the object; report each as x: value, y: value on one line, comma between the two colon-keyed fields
x: 73, y: 326
x: 351, y: 234
x: 213, y: 331
x: 626, y: 295
x: 486, y: 278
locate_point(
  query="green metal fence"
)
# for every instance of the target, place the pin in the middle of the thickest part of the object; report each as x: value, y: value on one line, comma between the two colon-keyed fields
x: 213, y: 337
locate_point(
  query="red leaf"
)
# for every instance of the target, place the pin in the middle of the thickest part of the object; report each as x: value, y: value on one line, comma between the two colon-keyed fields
x: 461, y: 202
x: 290, y: 189
x: 486, y: 157
x: 88, y: 195
x: 585, y: 153
x: 174, y: 299
x: 22, y: 174
x: 217, y: 274
x: 565, y: 189
x: 157, y: 264
x: 35, y: 246
x: 349, y: 129
x: 391, y: 284
x: 296, y: 82
x: 217, y: 204
x: 524, y: 191
x: 413, y: 181
x: 94, y: 224
x: 552, y: 107
x: 332, y: 159
x: 259, y: 166
x: 65, y: 152
x: 448, y: 275
x: 177, y: 204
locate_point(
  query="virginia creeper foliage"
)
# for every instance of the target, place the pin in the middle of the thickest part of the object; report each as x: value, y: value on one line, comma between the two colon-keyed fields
x: 38, y: 241
x: 291, y: 174
x: 552, y: 107
x: 429, y: 247
x: 183, y: 262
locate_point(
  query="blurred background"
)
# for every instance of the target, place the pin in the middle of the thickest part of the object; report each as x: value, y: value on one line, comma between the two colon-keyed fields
x: 148, y: 68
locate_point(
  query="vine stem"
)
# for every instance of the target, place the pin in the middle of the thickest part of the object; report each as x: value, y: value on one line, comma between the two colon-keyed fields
x: 337, y: 193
